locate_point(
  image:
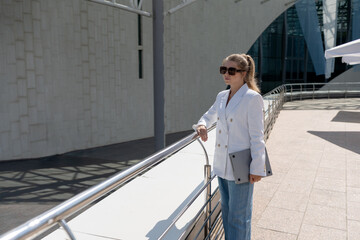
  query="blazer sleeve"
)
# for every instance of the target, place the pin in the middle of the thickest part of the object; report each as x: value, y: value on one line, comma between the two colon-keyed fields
x: 256, y: 132
x: 209, y: 118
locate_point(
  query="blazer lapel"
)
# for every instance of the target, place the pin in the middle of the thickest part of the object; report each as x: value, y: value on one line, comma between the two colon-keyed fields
x: 222, y: 107
x: 235, y: 100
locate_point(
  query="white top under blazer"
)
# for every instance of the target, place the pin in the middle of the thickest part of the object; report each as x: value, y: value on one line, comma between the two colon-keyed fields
x: 239, y: 126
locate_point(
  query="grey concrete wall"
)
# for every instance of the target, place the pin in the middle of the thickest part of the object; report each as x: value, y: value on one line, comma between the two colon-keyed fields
x: 69, y: 77
x: 69, y: 69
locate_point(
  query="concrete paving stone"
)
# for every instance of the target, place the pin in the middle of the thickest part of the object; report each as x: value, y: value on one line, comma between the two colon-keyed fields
x: 306, y: 164
x: 353, y: 230
x: 278, y: 166
x: 353, y: 179
x: 315, y: 144
x: 334, y: 148
x: 351, y: 154
x: 331, y: 184
x: 301, y: 174
x: 311, y: 232
x: 265, y: 189
x: 332, y: 173
x: 266, y: 234
x: 325, y: 216
x: 336, y: 155
x: 328, y: 198
x: 295, y: 186
x: 282, y: 220
x: 277, y: 177
x: 309, y: 153
x: 260, y: 203
x: 290, y: 201
x: 353, y: 164
x: 353, y: 210
x: 352, y: 173
x: 281, y: 155
x: 333, y: 163
x: 353, y: 194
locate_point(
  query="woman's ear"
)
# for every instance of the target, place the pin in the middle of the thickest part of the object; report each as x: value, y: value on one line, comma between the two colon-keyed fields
x: 244, y: 74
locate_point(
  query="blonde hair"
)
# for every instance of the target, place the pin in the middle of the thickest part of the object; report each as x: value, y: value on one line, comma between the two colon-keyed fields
x: 246, y: 63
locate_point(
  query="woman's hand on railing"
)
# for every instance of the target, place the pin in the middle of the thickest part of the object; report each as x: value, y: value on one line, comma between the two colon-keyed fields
x: 202, y: 132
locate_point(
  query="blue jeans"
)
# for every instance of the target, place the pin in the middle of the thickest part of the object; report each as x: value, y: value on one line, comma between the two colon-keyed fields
x: 236, y: 208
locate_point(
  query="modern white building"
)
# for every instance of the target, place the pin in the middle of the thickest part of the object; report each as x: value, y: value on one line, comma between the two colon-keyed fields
x: 75, y: 74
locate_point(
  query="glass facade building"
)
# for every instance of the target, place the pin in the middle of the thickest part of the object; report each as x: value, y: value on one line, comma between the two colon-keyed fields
x: 288, y: 52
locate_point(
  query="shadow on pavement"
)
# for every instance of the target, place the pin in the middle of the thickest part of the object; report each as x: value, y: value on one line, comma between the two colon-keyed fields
x: 347, y: 116
x: 347, y: 140
x: 30, y: 187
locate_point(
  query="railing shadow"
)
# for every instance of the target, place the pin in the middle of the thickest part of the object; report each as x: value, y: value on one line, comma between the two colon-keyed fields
x: 57, y: 178
x: 54, y: 180
x: 162, y: 225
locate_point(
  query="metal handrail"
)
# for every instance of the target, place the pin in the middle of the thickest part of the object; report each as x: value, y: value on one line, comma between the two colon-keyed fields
x: 58, y: 214
x: 299, y: 91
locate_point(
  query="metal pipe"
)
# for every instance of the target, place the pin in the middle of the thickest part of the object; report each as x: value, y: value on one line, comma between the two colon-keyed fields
x: 123, y: 7
x: 67, y: 229
x: 206, y: 218
x: 207, y: 173
x: 204, y: 225
x: 206, y: 155
x: 158, y: 71
x: 180, y: 6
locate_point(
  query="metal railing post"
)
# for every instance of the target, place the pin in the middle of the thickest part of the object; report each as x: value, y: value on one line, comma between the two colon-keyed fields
x: 313, y: 91
x: 207, y: 178
x: 67, y: 229
x: 345, y: 90
x: 207, y: 169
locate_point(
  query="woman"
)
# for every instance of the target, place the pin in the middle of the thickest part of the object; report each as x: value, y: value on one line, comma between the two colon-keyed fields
x: 238, y: 113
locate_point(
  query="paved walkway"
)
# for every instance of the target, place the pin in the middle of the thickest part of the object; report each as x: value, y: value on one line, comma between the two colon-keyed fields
x: 315, y: 191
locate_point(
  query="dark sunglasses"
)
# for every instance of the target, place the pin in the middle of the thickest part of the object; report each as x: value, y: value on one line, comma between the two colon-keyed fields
x: 230, y: 70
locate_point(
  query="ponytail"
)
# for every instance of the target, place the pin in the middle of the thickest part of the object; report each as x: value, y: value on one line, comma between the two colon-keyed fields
x: 250, y: 75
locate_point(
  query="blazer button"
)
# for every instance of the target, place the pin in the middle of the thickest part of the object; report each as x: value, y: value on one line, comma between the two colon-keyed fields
x: 230, y: 119
x: 219, y: 131
x: 218, y: 145
x: 225, y: 146
x: 218, y: 118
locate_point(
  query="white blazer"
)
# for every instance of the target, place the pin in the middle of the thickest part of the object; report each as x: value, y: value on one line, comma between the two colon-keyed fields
x: 240, y: 125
